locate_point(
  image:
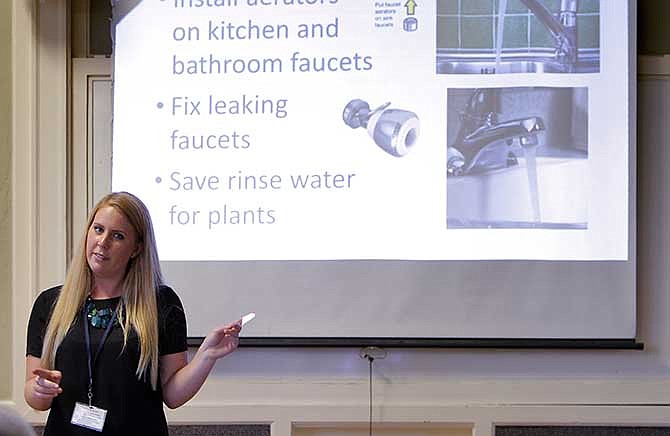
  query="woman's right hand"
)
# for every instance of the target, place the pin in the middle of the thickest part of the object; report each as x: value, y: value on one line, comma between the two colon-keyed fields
x: 46, y: 383
x: 42, y: 385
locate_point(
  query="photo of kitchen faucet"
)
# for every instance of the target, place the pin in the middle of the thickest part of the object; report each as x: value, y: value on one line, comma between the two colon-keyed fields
x: 517, y: 158
x: 524, y: 36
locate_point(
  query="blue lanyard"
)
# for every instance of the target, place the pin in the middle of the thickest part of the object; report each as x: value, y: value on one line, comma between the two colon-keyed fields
x: 91, y: 362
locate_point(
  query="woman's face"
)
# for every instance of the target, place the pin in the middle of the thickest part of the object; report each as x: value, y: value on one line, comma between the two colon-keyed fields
x: 110, y: 242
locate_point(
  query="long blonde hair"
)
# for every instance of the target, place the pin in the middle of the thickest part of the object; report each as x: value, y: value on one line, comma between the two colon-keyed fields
x: 140, y: 284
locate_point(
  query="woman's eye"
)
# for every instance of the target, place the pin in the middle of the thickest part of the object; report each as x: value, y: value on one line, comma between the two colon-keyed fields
x: 119, y: 236
x: 97, y: 229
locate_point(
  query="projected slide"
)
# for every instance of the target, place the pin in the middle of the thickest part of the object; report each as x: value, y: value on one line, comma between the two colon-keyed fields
x: 357, y: 129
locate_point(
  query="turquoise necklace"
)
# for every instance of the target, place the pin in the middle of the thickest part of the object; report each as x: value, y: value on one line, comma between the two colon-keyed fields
x: 99, y: 318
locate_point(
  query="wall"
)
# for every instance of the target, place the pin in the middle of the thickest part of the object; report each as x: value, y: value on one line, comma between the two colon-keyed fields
x: 298, y: 390
x: 5, y: 199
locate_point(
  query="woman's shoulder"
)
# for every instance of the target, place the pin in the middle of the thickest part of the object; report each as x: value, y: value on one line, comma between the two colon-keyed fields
x: 171, y: 319
x: 47, y: 298
x: 168, y: 297
x: 39, y: 317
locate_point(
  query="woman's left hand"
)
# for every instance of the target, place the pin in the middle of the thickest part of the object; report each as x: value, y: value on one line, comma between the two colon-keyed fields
x: 222, y: 340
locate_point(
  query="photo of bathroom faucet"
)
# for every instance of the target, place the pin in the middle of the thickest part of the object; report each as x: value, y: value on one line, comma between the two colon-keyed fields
x: 525, y: 36
x: 517, y: 158
x: 395, y: 131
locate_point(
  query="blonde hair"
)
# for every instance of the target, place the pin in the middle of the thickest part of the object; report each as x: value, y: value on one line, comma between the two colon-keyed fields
x: 140, y: 284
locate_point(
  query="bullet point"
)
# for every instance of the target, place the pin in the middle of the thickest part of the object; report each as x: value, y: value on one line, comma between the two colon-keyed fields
x: 160, y: 105
x: 158, y: 180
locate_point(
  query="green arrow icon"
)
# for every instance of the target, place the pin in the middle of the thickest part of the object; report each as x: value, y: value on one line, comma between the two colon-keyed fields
x: 411, y: 6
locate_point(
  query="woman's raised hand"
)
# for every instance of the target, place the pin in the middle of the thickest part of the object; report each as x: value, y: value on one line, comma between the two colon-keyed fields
x: 222, y: 341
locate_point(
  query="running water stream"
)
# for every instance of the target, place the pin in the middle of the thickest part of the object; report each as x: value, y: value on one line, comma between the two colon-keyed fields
x: 531, y: 170
x: 502, y: 8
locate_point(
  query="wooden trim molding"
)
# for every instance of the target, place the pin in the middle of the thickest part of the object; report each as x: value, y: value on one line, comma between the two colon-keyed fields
x: 85, y: 71
x: 39, y: 155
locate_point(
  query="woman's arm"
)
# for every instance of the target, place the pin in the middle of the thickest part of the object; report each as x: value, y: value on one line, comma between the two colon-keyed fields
x: 181, y: 379
x: 42, y: 385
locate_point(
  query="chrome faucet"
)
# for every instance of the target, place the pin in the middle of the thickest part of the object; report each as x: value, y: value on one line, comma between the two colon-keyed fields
x: 563, y: 29
x: 483, y: 143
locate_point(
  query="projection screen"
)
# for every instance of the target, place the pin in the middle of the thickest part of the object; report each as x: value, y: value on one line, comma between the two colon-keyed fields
x: 385, y: 169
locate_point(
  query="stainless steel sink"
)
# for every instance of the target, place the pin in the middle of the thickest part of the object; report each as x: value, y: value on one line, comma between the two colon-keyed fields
x: 489, y: 66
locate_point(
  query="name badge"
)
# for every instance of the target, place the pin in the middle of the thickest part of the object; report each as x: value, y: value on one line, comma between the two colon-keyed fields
x: 88, y: 416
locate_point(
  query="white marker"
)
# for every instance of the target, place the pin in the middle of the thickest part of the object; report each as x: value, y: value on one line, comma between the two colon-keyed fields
x: 248, y: 317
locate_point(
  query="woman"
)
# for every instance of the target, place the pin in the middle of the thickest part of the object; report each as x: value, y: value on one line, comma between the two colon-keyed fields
x: 108, y: 347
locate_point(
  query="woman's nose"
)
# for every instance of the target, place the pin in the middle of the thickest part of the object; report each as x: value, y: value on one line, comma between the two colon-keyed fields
x: 103, y: 239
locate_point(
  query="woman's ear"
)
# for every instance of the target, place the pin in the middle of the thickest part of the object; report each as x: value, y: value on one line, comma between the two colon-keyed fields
x: 137, y: 251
